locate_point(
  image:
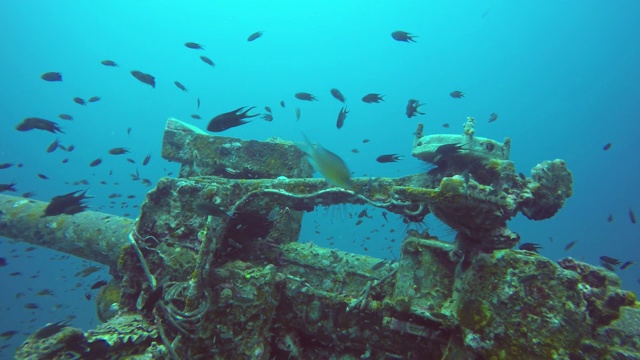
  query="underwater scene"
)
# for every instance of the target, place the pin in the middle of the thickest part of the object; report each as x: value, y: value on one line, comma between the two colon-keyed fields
x: 319, y: 180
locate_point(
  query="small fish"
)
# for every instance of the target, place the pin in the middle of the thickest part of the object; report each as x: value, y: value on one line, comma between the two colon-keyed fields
x: 87, y: 296
x: 53, y: 146
x: 50, y: 330
x: 118, y: 151
x: 208, y: 208
x: 65, y: 160
x: 17, y: 273
x: 403, y: 36
x: 198, y: 103
x: 45, y: 292
x: 31, y: 306
x: 610, y: 260
x: 530, y: 247
x: 207, y: 61
x: 29, y: 194
x: 384, y: 215
x: 8, y: 187
x: 363, y: 213
x: 254, y: 36
x: 69, y: 204
x: 109, y: 63
x: 70, y: 148
x: 389, y: 158
x: 626, y: 264
x: 606, y: 147
x: 342, y: 115
x: 192, y: 45
x: 146, y: 182
x: 43, y: 176
x: 8, y: 334
x: 364, y: 141
x: 94, y: 99
x: 98, y: 284
x: 3, y: 262
x: 282, y: 103
x: 372, y: 98
x: 355, y: 151
x: 230, y: 119
x: 267, y: 117
x: 95, y: 162
x: 5, y: 165
x: 144, y: 78
x: 330, y: 165
x: 570, y: 245
x: 181, y: 87
x: 456, y: 94
x: 297, y: 114
x: 38, y: 123
x: 65, y: 117
x: 146, y: 160
x: 267, y: 109
x: 610, y: 218
x: 196, y: 117
x: 131, y: 160
x: 79, y: 101
x: 128, y: 131
x: 338, y: 95
x: 632, y: 217
x: 493, y: 117
x: 87, y: 271
x: 445, y: 125
x: 51, y: 76
x: 413, y: 108
x: 358, y: 222
x: 305, y: 96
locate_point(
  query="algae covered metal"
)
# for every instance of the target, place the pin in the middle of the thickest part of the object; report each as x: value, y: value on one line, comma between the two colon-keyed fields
x: 213, y: 268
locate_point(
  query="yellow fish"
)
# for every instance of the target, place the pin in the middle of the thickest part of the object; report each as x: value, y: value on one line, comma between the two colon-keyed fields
x: 330, y: 165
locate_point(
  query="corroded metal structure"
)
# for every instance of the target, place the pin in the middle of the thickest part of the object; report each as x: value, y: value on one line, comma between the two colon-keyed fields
x: 232, y: 282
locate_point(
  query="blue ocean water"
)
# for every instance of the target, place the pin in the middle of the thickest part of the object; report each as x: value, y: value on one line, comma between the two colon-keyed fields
x: 563, y: 77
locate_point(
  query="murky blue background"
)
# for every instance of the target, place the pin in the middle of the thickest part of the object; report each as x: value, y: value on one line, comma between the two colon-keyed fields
x: 563, y: 76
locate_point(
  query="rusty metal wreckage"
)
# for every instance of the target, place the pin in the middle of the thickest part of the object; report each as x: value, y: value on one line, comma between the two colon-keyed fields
x: 237, y: 284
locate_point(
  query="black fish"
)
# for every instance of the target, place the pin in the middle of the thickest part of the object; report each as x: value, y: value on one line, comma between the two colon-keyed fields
x: 109, y: 63
x: 230, y: 119
x: 65, y: 117
x: 70, y: 148
x: 445, y: 125
x: 79, y: 101
x: 3, y: 262
x: 51, y: 76
x: 94, y: 99
x: 372, y: 98
x: 98, y: 284
x: 342, y: 115
x: 196, y: 116
x: 338, y: 95
x: 606, y: 147
x: 610, y: 260
x: 69, y: 204
x: 50, y: 330
x: 267, y: 109
x: 267, y: 117
x: 5, y: 165
x: 305, y: 96
x: 8, y: 187
x: 403, y: 36
x: 146, y: 160
x: 632, y: 217
x: 38, y: 123
x: 118, y: 151
x: 145, y: 78
x: 95, y: 162
x: 282, y: 103
x: 131, y: 160
x: 198, y: 103
x: 456, y: 94
x: 610, y: 218
x: 43, y: 176
x: 413, y: 108
x: 207, y: 60
x: 493, y: 117
x: 181, y: 87
x: 530, y: 247
x: 389, y: 158
x: 53, y: 146
x: 192, y: 45
x: 208, y: 208
x: 254, y: 36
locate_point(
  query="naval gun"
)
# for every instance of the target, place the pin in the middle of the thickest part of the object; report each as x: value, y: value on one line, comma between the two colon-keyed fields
x: 212, y: 268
